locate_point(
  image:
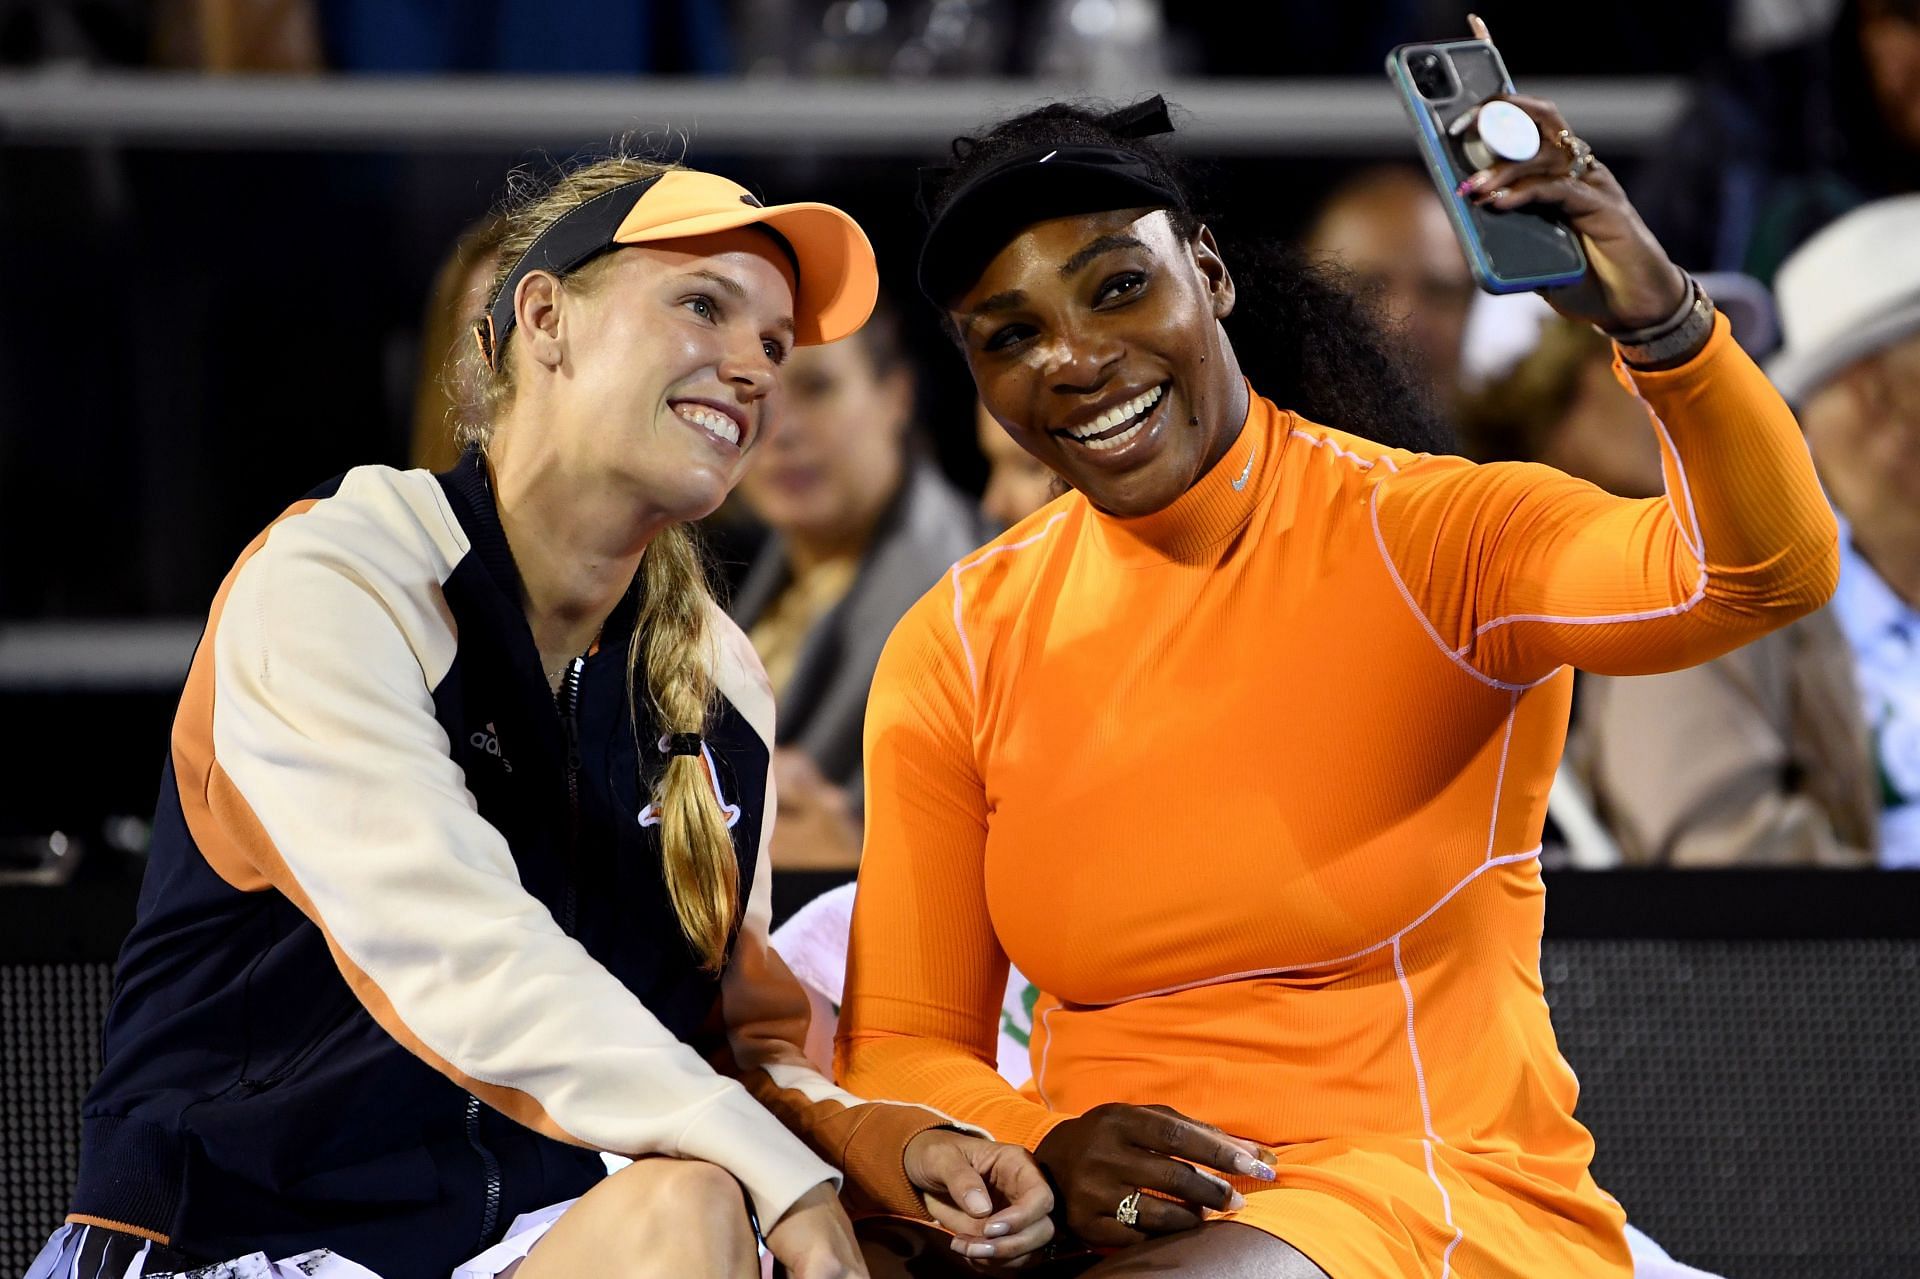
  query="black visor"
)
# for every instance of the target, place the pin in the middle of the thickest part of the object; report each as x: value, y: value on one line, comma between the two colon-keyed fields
x: 1032, y: 186
x: 576, y: 237
x: 985, y: 215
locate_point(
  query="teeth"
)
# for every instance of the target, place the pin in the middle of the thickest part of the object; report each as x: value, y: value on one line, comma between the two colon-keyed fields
x: 719, y: 423
x: 1113, y: 443
x: 1136, y: 407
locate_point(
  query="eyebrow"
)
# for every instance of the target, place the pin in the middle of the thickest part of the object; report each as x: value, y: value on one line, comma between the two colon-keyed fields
x: 1094, y: 248
x: 727, y: 284
x: 734, y: 289
x: 1007, y: 301
x: 1014, y: 298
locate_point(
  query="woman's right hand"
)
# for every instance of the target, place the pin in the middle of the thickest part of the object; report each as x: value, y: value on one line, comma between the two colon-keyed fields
x: 814, y: 1240
x: 1107, y: 1154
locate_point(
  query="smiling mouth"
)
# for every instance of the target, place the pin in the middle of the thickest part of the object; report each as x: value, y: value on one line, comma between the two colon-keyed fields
x: 1120, y: 423
x: 712, y: 421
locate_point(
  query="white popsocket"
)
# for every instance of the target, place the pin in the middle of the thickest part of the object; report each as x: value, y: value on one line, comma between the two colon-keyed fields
x: 1496, y: 132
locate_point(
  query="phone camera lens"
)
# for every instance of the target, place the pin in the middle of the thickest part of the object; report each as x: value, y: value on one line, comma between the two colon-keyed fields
x: 1431, y: 76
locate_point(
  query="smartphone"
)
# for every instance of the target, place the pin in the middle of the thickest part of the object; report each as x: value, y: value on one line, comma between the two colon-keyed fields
x: 1509, y: 252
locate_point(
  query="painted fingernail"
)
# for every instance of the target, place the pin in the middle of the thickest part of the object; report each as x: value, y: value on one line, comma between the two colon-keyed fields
x: 997, y: 1228
x: 979, y: 1250
x: 978, y: 1204
x: 1251, y: 1167
x: 1501, y: 194
x: 1236, y: 1203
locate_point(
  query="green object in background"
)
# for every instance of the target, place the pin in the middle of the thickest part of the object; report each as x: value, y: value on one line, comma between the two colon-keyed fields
x: 1021, y: 1034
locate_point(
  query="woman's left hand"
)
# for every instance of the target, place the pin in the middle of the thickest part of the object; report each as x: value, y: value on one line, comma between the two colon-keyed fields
x: 1630, y: 283
x: 992, y: 1196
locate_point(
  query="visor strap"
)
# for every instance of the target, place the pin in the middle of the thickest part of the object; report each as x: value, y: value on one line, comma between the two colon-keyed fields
x: 575, y: 238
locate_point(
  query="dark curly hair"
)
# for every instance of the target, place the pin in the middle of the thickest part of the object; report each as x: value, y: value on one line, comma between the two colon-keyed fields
x: 1306, y: 335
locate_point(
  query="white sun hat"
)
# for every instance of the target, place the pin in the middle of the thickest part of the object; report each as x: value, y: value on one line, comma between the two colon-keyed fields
x: 1851, y: 290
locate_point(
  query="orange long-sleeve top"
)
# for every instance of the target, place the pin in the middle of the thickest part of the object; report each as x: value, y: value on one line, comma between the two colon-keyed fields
x: 1252, y: 788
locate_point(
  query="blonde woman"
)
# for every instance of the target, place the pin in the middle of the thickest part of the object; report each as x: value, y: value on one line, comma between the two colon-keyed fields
x: 459, y: 875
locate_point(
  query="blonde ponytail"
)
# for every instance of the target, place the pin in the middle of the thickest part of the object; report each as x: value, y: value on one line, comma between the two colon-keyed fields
x: 672, y: 649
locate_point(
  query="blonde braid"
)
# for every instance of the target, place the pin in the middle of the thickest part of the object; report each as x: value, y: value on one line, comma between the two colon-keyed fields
x: 671, y: 639
x: 671, y: 649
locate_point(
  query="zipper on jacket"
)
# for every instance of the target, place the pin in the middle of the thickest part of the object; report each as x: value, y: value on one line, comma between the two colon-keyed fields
x: 490, y: 1166
x: 569, y: 700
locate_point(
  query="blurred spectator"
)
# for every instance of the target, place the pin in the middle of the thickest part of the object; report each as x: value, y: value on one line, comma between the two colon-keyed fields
x: 458, y: 299
x: 1387, y: 226
x: 1757, y: 758
x: 1561, y: 405
x: 1773, y: 147
x: 1017, y: 483
x: 862, y: 525
x: 237, y: 35
x: 1541, y: 388
x: 1850, y: 308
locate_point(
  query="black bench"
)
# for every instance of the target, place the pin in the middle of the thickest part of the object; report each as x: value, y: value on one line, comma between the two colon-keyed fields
x: 1748, y: 1046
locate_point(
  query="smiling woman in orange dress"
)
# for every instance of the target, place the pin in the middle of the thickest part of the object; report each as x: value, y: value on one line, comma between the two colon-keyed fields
x: 1241, y: 749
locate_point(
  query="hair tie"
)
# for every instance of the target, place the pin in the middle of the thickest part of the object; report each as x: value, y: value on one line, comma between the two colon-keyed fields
x: 682, y: 744
x: 1141, y: 120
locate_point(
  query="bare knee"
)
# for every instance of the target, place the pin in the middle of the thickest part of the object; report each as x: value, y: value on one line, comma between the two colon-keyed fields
x: 672, y: 1197
x: 678, y: 1190
x: 655, y: 1218
x: 1221, y: 1250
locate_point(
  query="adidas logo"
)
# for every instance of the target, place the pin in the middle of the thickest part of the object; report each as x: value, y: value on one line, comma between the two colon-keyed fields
x: 489, y: 741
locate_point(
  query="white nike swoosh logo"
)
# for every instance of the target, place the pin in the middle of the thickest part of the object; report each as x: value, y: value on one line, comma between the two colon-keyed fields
x: 1247, y: 470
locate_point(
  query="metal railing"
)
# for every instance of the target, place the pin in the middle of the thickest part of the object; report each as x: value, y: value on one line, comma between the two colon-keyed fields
x: 1357, y: 117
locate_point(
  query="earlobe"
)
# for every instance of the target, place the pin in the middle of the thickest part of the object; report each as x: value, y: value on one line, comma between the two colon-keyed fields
x: 1223, y: 294
x: 537, y: 305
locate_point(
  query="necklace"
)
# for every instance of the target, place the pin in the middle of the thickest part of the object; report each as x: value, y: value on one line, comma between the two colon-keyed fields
x: 553, y: 675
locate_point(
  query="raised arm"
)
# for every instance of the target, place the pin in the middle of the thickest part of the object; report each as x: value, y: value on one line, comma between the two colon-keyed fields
x: 1520, y: 570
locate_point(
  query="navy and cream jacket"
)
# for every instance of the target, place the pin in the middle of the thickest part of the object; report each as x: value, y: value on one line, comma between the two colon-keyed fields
x: 404, y: 959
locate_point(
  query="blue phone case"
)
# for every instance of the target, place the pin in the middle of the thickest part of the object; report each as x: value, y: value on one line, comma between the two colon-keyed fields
x: 1508, y: 252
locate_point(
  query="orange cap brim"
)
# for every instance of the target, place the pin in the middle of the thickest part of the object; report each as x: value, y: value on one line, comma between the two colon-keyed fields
x: 838, y: 278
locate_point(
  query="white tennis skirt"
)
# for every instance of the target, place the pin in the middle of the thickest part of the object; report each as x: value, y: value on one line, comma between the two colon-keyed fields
x: 87, y: 1252
x: 84, y: 1252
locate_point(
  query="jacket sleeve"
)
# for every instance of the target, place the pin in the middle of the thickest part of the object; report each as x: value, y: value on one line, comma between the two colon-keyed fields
x: 320, y: 770
x: 925, y: 973
x: 766, y: 1012
x: 1519, y: 570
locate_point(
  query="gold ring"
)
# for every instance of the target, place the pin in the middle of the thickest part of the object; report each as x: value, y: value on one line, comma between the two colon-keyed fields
x: 1580, y: 155
x: 1129, y: 1210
